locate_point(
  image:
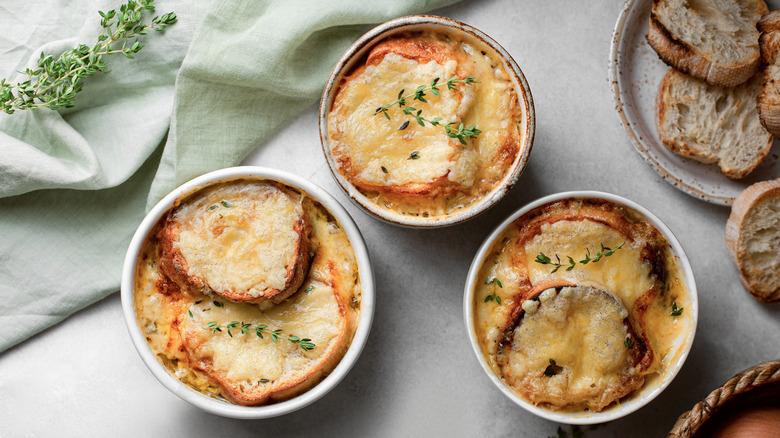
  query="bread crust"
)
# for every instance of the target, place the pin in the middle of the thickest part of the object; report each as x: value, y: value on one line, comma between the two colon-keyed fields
x: 175, y: 265
x: 768, y: 103
x: 747, y: 200
x: 682, y: 56
x: 693, y: 151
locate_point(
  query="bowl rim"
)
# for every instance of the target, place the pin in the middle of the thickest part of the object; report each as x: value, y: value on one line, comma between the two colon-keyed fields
x: 356, y: 52
x: 219, y: 407
x: 624, y: 408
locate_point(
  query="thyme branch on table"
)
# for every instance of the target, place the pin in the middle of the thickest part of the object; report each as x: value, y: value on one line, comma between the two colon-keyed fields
x: 260, y: 330
x: 494, y: 296
x: 461, y: 133
x: 605, y: 251
x: 55, y: 82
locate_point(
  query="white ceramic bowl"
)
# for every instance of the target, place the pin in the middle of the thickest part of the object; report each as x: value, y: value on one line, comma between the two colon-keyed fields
x: 358, y: 51
x: 220, y: 407
x: 645, y: 394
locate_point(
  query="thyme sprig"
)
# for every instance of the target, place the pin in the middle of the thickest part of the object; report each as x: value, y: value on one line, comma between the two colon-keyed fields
x: 260, y: 330
x: 461, y: 133
x: 494, y: 296
x: 55, y: 82
x: 605, y: 251
x: 675, y: 311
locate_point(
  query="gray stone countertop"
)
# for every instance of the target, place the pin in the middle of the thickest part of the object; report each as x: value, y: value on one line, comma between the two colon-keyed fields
x: 418, y: 375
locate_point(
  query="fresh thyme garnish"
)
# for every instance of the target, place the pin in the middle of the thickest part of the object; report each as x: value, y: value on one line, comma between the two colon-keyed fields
x: 494, y: 296
x: 190, y: 312
x: 604, y: 252
x: 384, y: 169
x: 55, y: 82
x: 226, y: 204
x: 261, y: 329
x: 309, y: 289
x: 628, y: 342
x: 419, y: 94
x: 218, y: 304
x: 198, y: 302
x: 264, y: 380
x: 414, y: 155
x: 552, y: 369
x: 675, y: 310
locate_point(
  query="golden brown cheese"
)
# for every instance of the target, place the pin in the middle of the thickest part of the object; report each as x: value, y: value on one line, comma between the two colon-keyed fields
x: 420, y: 170
x: 247, y: 242
x: 642, y: 276
x: 240, y: 366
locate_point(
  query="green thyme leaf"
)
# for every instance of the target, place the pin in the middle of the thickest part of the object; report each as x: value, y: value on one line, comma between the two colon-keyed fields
x: 260, y: 330
x: 675, y: 310
x: 541, y: 258
x: 462, y: 133
x: 54, y: 83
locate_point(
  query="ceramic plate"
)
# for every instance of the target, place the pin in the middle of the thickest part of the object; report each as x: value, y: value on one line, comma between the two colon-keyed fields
x: 635, y: 72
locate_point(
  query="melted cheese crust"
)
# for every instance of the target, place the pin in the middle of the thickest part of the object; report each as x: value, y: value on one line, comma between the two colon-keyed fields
x: 643, y: 275
x: 239, y: 239
x: 244, y: 368
x: 374, y: 154
x: 582, y: 330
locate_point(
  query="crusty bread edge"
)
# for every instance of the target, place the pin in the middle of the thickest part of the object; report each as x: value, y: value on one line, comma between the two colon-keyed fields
x: 681, y: 148
x: 686, y: 59
x: 739, y: 210
x: 768, y: 110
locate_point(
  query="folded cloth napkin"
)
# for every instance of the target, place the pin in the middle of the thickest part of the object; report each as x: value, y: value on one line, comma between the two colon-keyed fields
x: 75, y: 183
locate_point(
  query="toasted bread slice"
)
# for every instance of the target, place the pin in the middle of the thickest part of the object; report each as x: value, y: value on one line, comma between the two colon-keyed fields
x: 713, y: 40
x: 712, y: 124
x: 753, y: 239
x: 395, y: 154
x: 246, y: 242
x: 769, y: 97
x: 573, y: 346
x: 252, y: 370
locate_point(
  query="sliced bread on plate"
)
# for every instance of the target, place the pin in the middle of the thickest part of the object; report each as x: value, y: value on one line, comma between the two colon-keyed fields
x: 713, y: 40
x: 769, y: 98
x: 712, y: 124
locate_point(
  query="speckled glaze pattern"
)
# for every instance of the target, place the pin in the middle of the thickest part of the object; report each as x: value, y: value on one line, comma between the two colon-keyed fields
x: 635, y: 73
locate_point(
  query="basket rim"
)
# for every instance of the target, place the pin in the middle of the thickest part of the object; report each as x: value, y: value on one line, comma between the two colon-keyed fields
x: 743, y: 382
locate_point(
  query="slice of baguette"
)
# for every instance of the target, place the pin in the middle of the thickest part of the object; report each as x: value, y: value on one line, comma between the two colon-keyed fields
x: 713, y: 40
x: 248, y: 242
x: 712, y: 124
x: 753, y: 239
x: 769, y: 98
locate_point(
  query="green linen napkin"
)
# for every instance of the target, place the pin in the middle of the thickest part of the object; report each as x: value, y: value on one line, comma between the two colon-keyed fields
x: 74, y: 184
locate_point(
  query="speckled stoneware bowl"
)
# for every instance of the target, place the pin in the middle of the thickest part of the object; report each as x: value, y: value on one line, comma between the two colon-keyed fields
x: 643, y: 395
x: 357, y: 53
x: 214, y: 405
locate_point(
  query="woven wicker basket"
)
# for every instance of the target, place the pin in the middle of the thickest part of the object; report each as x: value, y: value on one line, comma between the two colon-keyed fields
x: 758, y: 385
